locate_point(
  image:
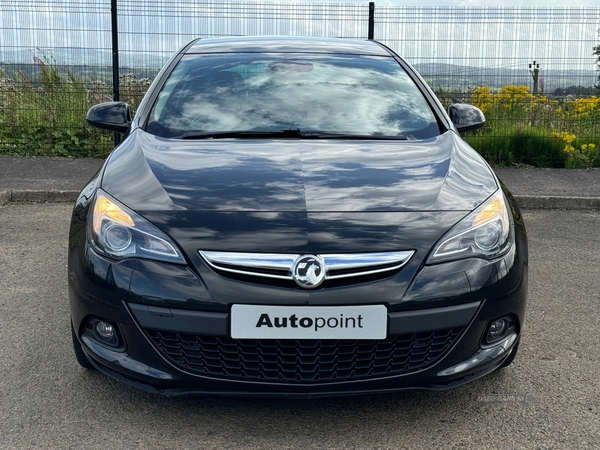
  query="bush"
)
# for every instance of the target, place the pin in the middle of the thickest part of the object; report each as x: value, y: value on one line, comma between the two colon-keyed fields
x: 46, y: 116
x: 536, y: 130
x: 532, y: 146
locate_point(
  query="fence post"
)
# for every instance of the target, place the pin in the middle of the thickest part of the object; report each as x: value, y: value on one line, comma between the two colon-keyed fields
x: 371, y: 21
x: 115, y: 56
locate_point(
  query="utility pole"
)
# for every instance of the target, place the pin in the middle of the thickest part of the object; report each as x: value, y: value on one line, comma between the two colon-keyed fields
x: 534, y: 70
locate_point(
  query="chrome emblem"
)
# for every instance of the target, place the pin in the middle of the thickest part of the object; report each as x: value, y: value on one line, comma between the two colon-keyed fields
x: 308, y: 271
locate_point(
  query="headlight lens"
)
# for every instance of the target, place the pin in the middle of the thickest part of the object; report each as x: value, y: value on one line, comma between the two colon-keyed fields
x: 116, y: 231
x: 487, y: 232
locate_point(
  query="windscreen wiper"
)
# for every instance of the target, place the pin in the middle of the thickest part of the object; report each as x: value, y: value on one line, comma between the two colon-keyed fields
x: 326, y: 135
x: 289, y: 133
x: 251, y: 134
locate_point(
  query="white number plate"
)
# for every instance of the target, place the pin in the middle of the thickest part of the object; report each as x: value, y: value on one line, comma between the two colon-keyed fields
x: 308, y: 322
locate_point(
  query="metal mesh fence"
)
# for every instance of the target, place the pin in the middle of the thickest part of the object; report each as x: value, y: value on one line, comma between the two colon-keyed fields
x: 531, y: 70
x: 149, y: 35
x: 55, y: 62
x: 462, y: 48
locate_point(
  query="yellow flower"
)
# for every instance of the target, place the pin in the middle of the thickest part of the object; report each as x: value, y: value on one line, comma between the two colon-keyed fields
x: 584, y: 146
x: 583, y: 107
x: 569, y: 148
x: 482, y: 98
x: 564, y: 136
x: 592, y: 145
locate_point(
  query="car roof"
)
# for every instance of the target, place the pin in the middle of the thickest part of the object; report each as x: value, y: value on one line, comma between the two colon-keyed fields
x: 284, y: 44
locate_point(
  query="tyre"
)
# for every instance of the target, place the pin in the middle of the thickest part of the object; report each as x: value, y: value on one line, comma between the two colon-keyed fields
x: 507, y: 362
x: 79, y: 353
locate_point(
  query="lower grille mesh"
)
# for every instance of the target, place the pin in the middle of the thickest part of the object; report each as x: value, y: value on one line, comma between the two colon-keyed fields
x: 303, y: 361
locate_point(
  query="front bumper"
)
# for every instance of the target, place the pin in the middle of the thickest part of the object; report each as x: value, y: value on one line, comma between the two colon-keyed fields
x: 119, y: 292
x: 158, y: 386
x: 173, y: 381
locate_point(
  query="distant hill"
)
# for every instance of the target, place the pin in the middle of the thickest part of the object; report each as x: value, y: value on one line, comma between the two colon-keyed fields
x: 467, y: 77
x: 95, y: 64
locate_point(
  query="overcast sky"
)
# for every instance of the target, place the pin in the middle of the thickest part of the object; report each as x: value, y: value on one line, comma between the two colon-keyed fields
x: 483, y: 38
x: 552, y: 3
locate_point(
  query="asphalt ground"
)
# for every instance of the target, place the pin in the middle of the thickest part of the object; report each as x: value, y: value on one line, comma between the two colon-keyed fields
x: 548, y: 399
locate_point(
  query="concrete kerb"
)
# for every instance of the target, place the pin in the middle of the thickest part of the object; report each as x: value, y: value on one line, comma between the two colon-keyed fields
x: 524, y: 201
x: 549, y: 202
x: 4, y: 197
x: 43, y: 196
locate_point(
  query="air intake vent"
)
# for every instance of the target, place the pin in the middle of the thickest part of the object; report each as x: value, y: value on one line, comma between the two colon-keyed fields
x: 303, y: 361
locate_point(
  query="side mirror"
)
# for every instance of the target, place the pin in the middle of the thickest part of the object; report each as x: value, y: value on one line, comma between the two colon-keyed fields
x: 466, y: 117
x: 112, y: 116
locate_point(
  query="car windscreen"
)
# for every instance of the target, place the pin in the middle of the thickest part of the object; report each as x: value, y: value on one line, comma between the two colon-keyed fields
x: 349, y: 94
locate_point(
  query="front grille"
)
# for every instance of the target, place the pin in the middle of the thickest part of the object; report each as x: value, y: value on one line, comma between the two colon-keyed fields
x: 303, y: 361
x: 276, y: 268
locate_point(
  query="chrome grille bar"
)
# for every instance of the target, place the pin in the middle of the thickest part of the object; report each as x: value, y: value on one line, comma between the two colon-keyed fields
x: 251, y: 263
x: 279, y: 266
x: 273, y: 261
x: 345, y: 261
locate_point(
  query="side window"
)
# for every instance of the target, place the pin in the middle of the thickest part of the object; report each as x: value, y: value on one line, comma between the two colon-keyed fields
x: 166, y: 92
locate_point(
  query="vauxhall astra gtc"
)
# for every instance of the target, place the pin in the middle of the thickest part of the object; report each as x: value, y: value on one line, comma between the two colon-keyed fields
x: 294, y: 216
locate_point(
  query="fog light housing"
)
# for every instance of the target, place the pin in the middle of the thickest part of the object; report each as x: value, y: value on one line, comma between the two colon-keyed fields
x: 103, y: 332
x: 498, y: 329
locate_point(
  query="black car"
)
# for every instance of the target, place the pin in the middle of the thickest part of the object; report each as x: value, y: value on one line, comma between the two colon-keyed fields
x: 298, y: 217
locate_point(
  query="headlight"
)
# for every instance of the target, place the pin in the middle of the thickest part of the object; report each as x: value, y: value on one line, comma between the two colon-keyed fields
x: 487, y: 232
x: 116, y: 231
